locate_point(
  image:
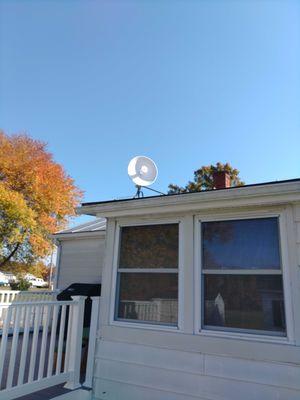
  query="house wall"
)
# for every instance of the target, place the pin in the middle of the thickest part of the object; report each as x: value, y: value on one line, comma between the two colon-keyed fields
x: 135, y: 362
x: 297, y: 228
x: 80, y: 261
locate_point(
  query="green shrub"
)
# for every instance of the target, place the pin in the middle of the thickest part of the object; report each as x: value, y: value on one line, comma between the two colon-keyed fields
x: 22, y: 285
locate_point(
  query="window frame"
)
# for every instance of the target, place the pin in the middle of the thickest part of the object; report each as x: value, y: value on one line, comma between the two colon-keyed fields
x: 179, y: 270
x: 256, y: 335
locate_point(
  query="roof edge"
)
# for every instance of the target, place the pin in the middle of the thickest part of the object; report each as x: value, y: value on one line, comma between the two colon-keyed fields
x: 271, y: 192
x: 190, y: 193
x: 78, y: 235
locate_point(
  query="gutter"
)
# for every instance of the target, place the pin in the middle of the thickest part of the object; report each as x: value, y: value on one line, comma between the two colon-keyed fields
x: 77, y: 235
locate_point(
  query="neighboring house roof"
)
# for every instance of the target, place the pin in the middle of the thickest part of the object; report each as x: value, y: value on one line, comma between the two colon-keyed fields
x: 94, y: 227
x: 268, y: 193
x: 6, y: 272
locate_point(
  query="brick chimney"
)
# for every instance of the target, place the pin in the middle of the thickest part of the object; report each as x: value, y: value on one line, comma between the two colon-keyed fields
x: 221, y: 180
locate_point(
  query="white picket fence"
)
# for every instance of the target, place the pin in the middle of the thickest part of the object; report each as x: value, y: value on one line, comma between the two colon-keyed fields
x: 51, y: 353
x: 7, y: 297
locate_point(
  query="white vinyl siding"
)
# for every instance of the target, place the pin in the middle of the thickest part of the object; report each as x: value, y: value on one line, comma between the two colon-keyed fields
x: 132, y: 371
x: 80, y: 261
x: 297, y: 228
x: 135, y: 361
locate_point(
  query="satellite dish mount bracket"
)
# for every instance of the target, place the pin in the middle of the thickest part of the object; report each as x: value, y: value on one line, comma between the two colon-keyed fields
x: 139, y: 192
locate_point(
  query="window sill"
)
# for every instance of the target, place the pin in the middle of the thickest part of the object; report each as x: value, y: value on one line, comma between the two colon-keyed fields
x: 245, y: 336
x: 147, y: 326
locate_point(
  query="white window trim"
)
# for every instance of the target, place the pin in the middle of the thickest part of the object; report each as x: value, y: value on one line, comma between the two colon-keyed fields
x: 242, y: 271
x: 139, y: 324
x: 149, y: 270
x: 285, y: 271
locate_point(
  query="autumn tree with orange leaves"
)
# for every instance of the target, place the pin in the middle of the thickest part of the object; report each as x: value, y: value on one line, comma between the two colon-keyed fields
x: 37, y: 198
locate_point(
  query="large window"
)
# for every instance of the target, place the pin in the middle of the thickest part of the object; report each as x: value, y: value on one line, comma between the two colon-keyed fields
x: 242, y: 287
x: 147, y: 283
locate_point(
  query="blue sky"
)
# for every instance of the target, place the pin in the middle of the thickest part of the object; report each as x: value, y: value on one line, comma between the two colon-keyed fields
x: 187, y: 83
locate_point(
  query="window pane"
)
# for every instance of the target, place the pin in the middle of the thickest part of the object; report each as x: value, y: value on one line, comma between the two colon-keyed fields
x: 241, y: 244
x: 148, y: 297
x: 149, y: 246
x: 244, y: 301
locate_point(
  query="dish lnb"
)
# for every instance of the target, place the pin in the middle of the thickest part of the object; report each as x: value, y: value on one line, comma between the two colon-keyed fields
x: 142, y: 171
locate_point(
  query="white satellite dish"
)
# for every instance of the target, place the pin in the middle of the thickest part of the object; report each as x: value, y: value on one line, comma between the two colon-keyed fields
x: 142, y: 171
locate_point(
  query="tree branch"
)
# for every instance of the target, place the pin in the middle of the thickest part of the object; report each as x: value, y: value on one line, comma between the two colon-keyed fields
x: 6, y: 259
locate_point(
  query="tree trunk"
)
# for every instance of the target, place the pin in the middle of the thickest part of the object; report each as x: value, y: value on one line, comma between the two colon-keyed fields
x: 6, y: 259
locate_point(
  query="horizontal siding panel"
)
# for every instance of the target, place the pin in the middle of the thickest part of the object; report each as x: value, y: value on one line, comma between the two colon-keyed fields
x: 298, y: 254
x: 82, y: 264
x: 155, y: 357
x: 189, y: 384
x: 89, y: 243
x: 283, y: 375
x: 297, y: 213
x: 82, y: 277
x: 82, y: 252
x: 83, y: 256
x: 239, y: 348
x: 298, y: 232
x: 82, y: 268
x: 112, y: 390
x: 81, y: 261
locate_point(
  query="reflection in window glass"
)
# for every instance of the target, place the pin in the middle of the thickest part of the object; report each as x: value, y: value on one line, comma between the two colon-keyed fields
x: 150, y: 297
x: 252, y: 301
x: 244, y: 302
x: 241, y: 244
x: 149, y: 246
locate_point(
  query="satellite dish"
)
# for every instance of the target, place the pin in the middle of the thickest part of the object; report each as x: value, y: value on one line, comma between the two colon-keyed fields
x: 142, y: 171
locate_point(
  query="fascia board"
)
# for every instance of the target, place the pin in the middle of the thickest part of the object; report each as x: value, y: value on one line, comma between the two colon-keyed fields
x: 78, y: 235
x: 276, y: 194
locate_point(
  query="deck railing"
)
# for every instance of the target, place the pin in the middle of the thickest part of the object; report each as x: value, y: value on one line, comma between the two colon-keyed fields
x: 10, y: 296
x: 7, y: 297
x: 154, y: 310
x: 51, y: 353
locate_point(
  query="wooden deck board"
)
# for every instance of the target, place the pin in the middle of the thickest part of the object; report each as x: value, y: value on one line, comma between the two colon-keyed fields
x: 46, y: 394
